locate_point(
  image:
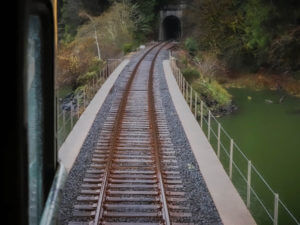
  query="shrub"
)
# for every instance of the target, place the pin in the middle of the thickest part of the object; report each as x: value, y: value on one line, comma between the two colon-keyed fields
x: 127, y: 47
x: 190, y: 74
x: 213, y: 92
x: 67, y: 69
x: 83, y: 79
x: 191, y: 46
x: 209, y: 64
x: 95, y: 65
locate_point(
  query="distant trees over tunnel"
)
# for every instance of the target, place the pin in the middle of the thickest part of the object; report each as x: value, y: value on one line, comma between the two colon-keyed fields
x: 253, y: 33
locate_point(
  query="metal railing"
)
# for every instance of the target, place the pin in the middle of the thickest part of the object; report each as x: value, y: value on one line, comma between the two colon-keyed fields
x: 263, y: 203
x: 68, y: 116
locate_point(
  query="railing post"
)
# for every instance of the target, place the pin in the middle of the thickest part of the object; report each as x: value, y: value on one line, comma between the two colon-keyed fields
x: 249, y: 184
x: 182, y: 84
x: 231, y: 158
x: 191, y: 98
x: 180, y: 81
x: 78, y: 106
x: 196, y: 105
x: 184, y: 87
x: 99, y: 74
x: 208, y: 126
x: 201, y: 114
x: 64, y: 120
x: 71, y: 115
x: 219, y: 140
x: 187, y: 92
x: 106, y: 69
x: 94, y: 85
x: 84, y: 98
x: 176, y: 74
x: 276, y: 199
x: 180, y: 78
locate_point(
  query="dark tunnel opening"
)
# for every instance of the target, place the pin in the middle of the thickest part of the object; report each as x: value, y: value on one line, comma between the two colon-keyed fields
x: 172, y: 28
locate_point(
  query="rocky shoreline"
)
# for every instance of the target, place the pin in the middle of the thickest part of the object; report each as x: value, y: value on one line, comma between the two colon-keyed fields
x: 218, y: 110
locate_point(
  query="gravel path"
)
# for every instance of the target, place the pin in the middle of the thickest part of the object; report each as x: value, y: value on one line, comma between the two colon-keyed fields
x: 201, y: 204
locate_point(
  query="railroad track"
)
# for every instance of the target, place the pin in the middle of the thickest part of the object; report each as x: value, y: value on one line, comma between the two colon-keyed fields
x: 134, y: 177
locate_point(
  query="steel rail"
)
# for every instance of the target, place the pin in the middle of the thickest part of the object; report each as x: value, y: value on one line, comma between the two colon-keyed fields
x: 113, y: 139
x: 156, y: 140
x: 133, y: 177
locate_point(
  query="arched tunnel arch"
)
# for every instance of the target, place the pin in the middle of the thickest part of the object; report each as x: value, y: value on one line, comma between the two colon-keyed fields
x: 172, y: 28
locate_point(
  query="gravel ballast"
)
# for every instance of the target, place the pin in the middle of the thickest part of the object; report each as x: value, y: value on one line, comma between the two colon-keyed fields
x: 197, y: 194
x: 84, y: 158
x: 201, y: 203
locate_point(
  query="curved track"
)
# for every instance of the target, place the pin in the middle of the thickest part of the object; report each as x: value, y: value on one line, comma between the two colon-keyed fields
x: 133, y: 178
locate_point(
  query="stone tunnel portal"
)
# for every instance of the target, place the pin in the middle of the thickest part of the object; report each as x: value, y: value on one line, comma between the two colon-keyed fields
x: 172, y: 28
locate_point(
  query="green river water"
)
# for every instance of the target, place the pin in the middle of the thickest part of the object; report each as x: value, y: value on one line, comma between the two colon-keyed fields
x: 269, y: 135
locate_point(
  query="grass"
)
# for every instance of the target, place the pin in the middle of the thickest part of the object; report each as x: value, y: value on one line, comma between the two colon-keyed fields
x: 191, y: 74
x: 265, y: 81
x: 213, y: 91
x: 64, y: 91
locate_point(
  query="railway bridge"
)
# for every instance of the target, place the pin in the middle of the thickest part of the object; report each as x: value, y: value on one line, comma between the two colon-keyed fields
x: 126, y: 164
x: 141, y: 147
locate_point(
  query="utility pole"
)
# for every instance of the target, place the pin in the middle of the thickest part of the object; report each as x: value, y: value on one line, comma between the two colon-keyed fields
x: 96, y: 38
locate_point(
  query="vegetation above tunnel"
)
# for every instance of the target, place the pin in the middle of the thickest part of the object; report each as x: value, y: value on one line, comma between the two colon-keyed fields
x: 248, y: 35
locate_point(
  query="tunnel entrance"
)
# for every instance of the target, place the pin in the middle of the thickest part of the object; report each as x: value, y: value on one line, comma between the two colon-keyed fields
x: 172, y: 28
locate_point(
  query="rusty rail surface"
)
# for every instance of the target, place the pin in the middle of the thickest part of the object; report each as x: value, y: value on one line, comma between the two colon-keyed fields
x: 134, y: 177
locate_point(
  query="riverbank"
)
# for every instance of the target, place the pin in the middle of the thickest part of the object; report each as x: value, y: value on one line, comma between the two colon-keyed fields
x: 212, y: 80
x: 201, y: 76
x: 262, y: 81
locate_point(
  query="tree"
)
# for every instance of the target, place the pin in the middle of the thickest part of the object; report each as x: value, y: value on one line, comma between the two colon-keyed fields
x: 242, y: 33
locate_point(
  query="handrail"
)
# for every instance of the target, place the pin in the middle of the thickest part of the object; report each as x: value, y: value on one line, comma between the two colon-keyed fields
x: 193, y: 100
x: 67, y: 118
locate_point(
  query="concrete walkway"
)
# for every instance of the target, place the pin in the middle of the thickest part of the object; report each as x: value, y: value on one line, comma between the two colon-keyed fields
x: 229, y: 204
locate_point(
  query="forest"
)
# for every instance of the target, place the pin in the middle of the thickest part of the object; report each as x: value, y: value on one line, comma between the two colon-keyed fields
x: 248, y: 34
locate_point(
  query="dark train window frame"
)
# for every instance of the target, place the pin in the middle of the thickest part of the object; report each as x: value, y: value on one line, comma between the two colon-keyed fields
x: 43, y: 10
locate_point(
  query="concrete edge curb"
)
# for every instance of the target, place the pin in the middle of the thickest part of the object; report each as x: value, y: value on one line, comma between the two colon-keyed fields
x: 70, y: 148
x: 228, y: 202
